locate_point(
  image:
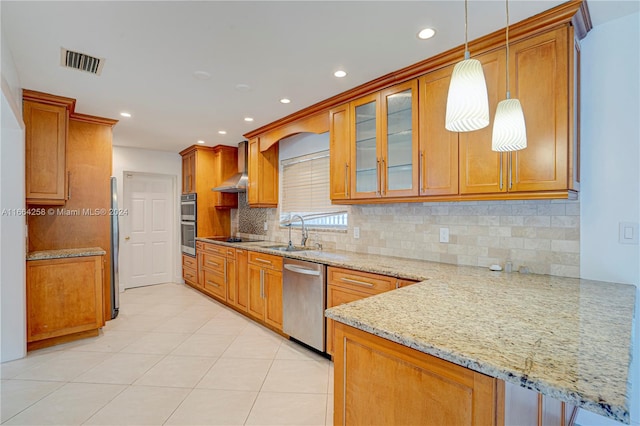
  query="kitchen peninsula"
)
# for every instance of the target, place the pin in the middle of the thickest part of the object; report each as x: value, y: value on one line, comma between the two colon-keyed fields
x: 566, y: 338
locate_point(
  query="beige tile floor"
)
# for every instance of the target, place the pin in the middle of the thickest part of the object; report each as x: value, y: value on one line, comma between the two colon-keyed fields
x: 172, y: 357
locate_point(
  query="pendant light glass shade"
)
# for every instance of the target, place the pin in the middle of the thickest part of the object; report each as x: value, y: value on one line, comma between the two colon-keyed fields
x: 509, y: 131
x: 467, y: 102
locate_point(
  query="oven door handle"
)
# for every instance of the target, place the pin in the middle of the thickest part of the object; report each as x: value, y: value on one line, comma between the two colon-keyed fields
x: 188, y: 223
x: 301, y: 270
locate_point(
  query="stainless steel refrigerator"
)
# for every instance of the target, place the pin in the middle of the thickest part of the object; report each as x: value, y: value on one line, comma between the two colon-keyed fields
x: 115, y: 245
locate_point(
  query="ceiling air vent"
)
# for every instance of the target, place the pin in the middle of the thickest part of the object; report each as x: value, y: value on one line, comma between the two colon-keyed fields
x: 80, y: 61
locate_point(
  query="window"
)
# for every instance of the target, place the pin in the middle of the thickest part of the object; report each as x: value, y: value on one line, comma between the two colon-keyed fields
x: 305, y: 191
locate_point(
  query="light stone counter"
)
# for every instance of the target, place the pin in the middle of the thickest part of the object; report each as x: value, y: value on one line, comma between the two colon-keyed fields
x: 65, y: 253
x: 563, y: 337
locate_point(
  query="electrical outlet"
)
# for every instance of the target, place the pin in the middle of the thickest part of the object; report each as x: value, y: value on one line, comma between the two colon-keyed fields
x: 266, y: 226
x: 444, y: 235
x: 628, y: 233
x: 356, y: 232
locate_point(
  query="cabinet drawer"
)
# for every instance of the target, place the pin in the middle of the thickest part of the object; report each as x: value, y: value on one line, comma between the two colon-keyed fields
x: 265, y: 260
x: 230, y: 253
x: 212, y: 263
x: 214, y: 284
x: 214, y: 249
x: 189, y: 262
x: 199, y: 245
x: 360, y: 281
x: 189, y: 275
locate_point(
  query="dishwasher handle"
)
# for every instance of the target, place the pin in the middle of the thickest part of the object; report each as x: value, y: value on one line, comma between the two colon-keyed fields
x: 301, y: 270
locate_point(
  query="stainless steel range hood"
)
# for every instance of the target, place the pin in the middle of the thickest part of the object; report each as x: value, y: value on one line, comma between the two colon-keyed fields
x: 239, y: 181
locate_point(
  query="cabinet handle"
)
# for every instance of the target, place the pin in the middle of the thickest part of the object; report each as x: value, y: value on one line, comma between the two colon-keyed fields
x: 501, y: 178
x: 188, y: 275
x: 383, y: 176
x: 225, y: 271
x: 68, y: 185
x: 262, y: 283
x: 212, y: 283
x: 420, y: 172
x: 511, y: 170
x: 257, y: 259
x: 356, y: 282
x: 378, y: 177
x: 212, y: 263
x: 346, y: 180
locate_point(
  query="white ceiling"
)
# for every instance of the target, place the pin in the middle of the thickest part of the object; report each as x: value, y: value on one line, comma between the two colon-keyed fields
x: 280, y: 49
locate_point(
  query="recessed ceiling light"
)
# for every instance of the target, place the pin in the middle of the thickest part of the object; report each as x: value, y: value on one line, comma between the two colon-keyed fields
x: 340, y: 74
x: 125, y: 114
x: 248, y: 119
x: 200, y: 141
x: 201, y: 75
x: 426, y: 33
x: 222, y: 132
x: 285, y: 101
x: 243, y: 87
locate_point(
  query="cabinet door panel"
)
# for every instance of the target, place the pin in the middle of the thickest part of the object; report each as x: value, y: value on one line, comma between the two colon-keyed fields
x: 242, y: 279
x: 339, y: 148
x: 273, y: 298
x: 364, y: 152
x: 232, y: 285
x: 45, y: 145
x: 438, y: 146
x: 482, y: 170
x: 64, y: 296
x: 337, y: 296
x: 399, y: 119
x: 540, y: 74
x: 255, y: 305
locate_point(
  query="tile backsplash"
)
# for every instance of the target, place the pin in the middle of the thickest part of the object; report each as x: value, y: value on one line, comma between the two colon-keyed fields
x: 541, y: 235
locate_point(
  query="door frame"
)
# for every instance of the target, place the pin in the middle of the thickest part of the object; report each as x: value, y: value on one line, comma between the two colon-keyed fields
x: 125, y: 226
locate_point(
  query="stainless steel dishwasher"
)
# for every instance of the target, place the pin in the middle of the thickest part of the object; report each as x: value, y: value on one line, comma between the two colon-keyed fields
x: 304, y: 300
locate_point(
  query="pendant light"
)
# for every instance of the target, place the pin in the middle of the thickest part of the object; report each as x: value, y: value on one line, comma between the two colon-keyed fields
x: 467, y: 102
x: 509, y: 131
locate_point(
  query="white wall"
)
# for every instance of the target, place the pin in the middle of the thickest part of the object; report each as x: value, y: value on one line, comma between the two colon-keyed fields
x: 610, y: 186
x: 13, y: 339
x: 149, y: 161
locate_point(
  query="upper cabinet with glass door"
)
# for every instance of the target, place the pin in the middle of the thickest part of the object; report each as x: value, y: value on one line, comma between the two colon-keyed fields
x: 384, y: 143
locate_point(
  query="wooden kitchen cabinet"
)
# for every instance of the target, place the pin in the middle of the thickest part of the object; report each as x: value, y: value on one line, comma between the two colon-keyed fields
x: 461, y: 166
x: 374, y: 377
x: 345, y: 285
x: 384, y: 143
x: 188, y: 172
x: 64, y: 299
x: 265, y: 288
x: 216, y: 270
x: 46, y: 119
x: 262, y: 190
x: 340, y: 149
x: 190, y: 270
x: 239, y: 295
x: 204, y: 168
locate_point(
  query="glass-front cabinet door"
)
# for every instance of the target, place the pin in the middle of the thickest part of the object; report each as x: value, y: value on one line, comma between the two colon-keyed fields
x: 384, y: 145
x: 365, y: 157
x: 399, y: 168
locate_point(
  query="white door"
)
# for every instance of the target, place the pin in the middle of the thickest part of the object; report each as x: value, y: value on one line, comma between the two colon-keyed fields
x: 148, y: 231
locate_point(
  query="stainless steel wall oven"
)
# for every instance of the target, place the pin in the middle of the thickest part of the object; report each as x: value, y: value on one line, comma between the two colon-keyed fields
x: 188, y: 228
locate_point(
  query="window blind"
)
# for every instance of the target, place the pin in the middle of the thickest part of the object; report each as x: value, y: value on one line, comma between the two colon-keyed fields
x: 305, y: 187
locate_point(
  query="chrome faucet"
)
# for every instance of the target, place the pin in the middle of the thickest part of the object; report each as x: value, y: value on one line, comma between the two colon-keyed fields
x: 305, y: 233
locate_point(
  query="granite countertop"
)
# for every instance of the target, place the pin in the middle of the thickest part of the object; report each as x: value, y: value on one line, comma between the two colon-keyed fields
x: 563, y: 337
x: 65, y: 253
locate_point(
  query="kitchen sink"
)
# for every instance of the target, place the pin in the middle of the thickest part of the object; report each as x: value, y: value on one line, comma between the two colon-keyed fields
x: 287, y: 248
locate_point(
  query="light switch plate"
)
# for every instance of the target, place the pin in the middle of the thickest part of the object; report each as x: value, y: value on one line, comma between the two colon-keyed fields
x: 628, y: 233
x: 266, y: 226
x: 356, y: 232
x: 444, y: 235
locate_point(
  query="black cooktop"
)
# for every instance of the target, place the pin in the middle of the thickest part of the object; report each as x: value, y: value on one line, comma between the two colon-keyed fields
x: 233, y: 239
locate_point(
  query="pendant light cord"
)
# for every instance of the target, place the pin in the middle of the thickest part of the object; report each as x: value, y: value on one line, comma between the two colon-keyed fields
x: 466, y: 43
x: 507, y: 7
